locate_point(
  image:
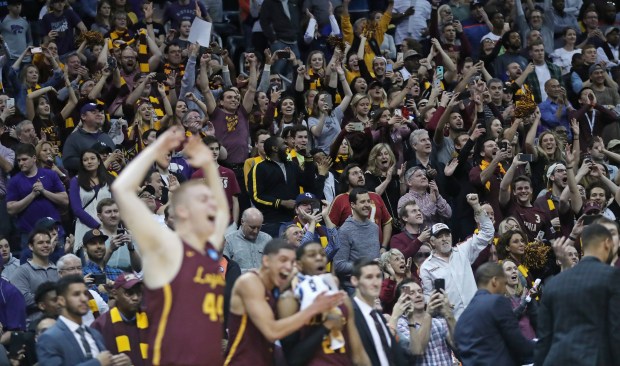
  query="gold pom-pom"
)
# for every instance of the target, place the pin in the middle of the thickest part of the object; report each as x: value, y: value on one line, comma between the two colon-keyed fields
x: 525, y: 105
x: 336, y: 42
x: 535, y: 255
x: 369, y: 29
x: 92, y: 38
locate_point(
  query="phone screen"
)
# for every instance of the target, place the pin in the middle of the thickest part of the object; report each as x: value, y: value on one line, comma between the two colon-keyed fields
x: 440, y: 284
x: 440, y: 72
x: 525, y: 157
x: 389, y: 67
x: 99, y: 279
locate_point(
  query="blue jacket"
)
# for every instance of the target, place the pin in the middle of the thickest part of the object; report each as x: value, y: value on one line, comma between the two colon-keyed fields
x: 487, y: 333
x: 58, y: 347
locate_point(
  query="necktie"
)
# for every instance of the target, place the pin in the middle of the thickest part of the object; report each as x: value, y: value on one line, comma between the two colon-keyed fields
x: 87, y: 351
x: 386, y: 347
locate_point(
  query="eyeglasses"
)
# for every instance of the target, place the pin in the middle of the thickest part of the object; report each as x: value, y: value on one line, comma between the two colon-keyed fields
x: 423, y: 254
x: 147, y: 196
x: 68, y: 269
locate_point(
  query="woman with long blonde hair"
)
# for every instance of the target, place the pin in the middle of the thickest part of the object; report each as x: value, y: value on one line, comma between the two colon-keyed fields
x: 525, y: 310
x: 382, y: 177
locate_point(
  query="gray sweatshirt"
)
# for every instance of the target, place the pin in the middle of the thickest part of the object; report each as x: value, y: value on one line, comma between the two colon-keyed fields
x: 357, y: 240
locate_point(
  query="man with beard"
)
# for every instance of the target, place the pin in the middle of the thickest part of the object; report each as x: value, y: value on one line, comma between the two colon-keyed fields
x: 92, y: 118
x: 274, y: 184
x: 582, y: 303
x: 517, y: 77
x: 612, y: 227
x: 94, y: 243
x: 605, y: 89
x: 512, y: 44
x: 453, y: 264
x: 561, y: 201
x: 450, y: 115
x: 357, y: 235
x: 312, y: 343
x: 69, y: 342
x: 486, y: 176
x: 124, y: 327
x: 252, y: 321
x: 340, y: 210
x: 515, y: 197
x: 609, y: 51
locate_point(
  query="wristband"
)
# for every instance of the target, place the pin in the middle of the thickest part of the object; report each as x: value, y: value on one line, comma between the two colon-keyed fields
x: 570, y: 237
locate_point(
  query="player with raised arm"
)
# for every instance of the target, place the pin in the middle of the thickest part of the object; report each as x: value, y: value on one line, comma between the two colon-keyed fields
x: 184, y: 290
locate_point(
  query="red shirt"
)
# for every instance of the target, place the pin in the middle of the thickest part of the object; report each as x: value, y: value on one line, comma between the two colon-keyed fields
x: 229, y: 182
x: 341, y: 210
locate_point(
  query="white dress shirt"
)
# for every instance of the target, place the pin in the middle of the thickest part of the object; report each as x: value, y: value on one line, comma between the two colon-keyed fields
x: 103, y: 307
x: 456, y: 271
x: 73, y: 327
x: 376, y: 339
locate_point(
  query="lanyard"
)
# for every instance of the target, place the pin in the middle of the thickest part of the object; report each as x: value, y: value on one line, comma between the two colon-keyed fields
x: 591, y: 122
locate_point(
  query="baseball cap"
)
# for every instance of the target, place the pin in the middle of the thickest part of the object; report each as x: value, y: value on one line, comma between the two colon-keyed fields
x: 93, y: 234
x: 101, y: 147
x: 375, y: 83
x: 613, y: 143
x: 305, y: 198
x: 410, y: 53
x: 475, y: 4
x: 437, y: 228
x: 591, y: 208
x: 126, y: 281
x: 88, y: 107
x: 149, y: 189
x: 595, y: 67
x: 611, y: 29
x: 552, y: 169
x: 46, y: 223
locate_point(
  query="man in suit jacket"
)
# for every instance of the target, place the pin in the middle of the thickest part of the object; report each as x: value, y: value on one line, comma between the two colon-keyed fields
x: 487, y: 333
x: 381, y: 347
x: 579, y: 317
x: 69, y: 342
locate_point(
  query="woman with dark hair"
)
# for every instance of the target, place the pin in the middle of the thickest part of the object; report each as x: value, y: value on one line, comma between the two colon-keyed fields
x: 563, y: 56
x: 263, y: 106
x: 86, y: 189
x: 103, y: 19
x: 358, y: 85
x: 511, y: 245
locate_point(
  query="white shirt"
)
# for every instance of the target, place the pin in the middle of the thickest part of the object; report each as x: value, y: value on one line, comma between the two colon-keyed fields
x: 456, y: 271
x: 73, y: 326
x: 417, y: 22
x: 103, y: 307
x: 376, y: 339
x: 402, y: 30
x: 602, y: 56
x: 543, y: 74
x: 564, y: 58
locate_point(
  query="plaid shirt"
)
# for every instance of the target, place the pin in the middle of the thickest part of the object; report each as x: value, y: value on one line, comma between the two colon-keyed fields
x: 532, y: 80
x: 437, y: 352
x: 111, y: 274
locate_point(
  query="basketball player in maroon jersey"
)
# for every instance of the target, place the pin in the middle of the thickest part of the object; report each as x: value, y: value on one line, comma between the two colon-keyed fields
x: 184, y: 289
x: 252, y: 322
x: 310, y: 345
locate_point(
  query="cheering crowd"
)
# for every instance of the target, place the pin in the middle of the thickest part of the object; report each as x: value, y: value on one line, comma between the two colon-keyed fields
x: 344, y: 182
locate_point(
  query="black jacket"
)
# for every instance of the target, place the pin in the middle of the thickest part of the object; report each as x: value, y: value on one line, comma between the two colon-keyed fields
x: 268, y: 188
x: 276, y: 24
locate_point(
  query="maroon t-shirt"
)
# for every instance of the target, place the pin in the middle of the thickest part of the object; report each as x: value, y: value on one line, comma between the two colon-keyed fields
x: 229, y: 182
x: 532, y: 220
x: 233, y: 131
x: 186, y: 315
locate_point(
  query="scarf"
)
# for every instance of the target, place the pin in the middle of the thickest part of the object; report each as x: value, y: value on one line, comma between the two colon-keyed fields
x: 322, y: 238
x: 485, y: 164
x: 143, y: 52
x: 315, y: 80
x: 122, y: 341
x: 92, y: 305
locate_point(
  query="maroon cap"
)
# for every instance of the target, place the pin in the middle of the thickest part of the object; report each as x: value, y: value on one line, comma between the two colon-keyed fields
x: 127, y: 281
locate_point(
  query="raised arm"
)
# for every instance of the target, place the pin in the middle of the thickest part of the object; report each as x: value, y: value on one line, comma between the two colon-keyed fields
x: 248, y: 98
x: 530, y: 146
x: 199, y: 156
x: 204, y: 83
x: 504, y: 186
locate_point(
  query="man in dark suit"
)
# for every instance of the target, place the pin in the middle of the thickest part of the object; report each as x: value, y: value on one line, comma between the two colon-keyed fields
x: 579, y: 316
x: 380, y: 345
x: 487, y: 333
x: 69, y: 342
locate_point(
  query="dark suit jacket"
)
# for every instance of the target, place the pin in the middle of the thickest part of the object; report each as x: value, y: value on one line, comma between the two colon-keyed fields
x: 487, y: 333
x: 58, y: 347
x: 369, y: 346
x: 579, y: 317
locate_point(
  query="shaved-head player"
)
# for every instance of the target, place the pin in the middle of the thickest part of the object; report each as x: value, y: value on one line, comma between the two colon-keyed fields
x: 184, y: 289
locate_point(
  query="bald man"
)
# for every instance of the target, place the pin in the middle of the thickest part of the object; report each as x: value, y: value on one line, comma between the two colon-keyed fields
x: 245, y: 245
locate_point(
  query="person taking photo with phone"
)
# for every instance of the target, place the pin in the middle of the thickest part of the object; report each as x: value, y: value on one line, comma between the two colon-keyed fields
x: 428, y: 328
x: 453, y: 264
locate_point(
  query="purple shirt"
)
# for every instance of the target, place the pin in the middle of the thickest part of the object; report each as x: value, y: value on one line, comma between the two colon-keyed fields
x: 233, y: 131
x: 64, y: 25
x: 12, y: 307
x: 20, y: 186
x: 177, y: 13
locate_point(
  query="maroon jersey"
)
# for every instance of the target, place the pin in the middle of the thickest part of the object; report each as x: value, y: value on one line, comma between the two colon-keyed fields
x: 532, y: 220
x: 187, y: 313
x: 247, y: 345
x: 324, y: 355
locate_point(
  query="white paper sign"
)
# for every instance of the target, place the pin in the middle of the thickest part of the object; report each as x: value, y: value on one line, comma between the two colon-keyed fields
x: 200, y: 32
